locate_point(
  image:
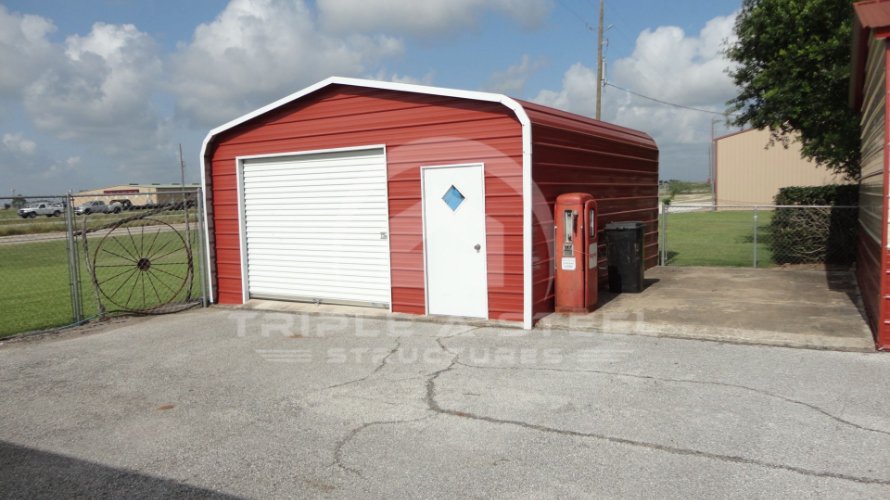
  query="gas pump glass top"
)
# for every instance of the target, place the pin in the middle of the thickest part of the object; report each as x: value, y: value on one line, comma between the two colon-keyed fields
x: 453, y: 198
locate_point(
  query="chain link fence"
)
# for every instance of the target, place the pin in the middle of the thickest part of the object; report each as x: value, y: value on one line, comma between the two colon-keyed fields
x: 65, y: 260
x: 758, y: 236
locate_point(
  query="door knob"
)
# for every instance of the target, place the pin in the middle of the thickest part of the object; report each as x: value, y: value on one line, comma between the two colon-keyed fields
x: 478, y: 247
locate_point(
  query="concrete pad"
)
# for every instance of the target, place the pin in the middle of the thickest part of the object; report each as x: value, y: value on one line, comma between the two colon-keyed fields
x: 349, y: 311
x: 249, y: 404
x: 807, y: 308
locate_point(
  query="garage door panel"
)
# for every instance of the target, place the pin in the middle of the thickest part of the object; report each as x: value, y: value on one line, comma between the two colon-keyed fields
x: 337, y: 294
x: 305, y: 184
x: 316, y: 227
x: 292, y: 249
x: 337, y: 216
x: 360, y: 275
x: 322, y: 204
x: 319, y: 236
x: 314, y: 191
x: 318, y: 199
x: 348, y: 170
x: 262, y: 213
x: 339, y: 224
x: 324, y: 282
x: 277, y: 257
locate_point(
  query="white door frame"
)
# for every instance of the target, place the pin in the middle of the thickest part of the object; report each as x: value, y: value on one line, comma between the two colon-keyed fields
x: 242, y: 221
x: 426, y: 284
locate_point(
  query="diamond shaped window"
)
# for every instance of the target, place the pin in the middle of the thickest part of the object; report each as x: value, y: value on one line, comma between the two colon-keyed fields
x: 453, y: 198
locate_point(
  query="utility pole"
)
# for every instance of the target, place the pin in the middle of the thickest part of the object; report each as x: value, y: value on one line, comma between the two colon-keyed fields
x: 712, y: 162
x: 599, y: 61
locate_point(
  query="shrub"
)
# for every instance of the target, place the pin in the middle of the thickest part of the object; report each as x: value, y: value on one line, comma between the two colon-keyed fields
x: 815, y: 235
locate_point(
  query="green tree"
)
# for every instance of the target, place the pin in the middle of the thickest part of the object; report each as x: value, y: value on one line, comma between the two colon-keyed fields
x: 793, y: 68
x: 19, y: 202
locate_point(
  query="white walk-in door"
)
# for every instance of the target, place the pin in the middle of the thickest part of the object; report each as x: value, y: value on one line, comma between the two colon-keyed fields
x: 454, y: 240
x: 316, y: 227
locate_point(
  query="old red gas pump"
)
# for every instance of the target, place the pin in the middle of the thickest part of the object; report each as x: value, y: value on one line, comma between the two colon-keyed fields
x: 576, y: 253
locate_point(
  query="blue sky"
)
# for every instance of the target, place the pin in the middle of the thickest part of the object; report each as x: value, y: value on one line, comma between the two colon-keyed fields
x: 101, y: 92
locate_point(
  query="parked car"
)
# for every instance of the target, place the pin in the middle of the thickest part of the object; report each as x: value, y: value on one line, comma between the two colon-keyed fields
x: 98, y: 207
x: 124, y: 203
x: 47, y: 208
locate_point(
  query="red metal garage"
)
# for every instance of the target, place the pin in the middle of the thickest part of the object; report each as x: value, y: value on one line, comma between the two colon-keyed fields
x: 419, y: 199
x: 869, y: 88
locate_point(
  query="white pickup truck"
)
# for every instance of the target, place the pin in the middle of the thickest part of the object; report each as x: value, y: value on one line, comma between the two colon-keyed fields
x: 46, y: 208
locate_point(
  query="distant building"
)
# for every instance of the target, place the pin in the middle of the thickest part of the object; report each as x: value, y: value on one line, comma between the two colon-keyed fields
x: 138, y: 194
x: 746, y: 172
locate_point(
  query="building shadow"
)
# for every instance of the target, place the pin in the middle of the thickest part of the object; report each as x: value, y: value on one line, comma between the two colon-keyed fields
x: 842, y: 278
x: 29, y: 473
x: 605, y: 296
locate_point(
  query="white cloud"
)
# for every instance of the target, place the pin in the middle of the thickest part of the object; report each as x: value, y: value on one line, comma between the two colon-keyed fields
x: 383, y: 75
x: 93, y: 91
x: 99, y: 91
x: 423, y: 18
x: 689, y: 70
x: 578, y: 93
x: 666, y: 64
x: 669, y: 65
x: 257, y: 51
x: 18, y: 144
x: 512, y: 80
x: 24, y: 49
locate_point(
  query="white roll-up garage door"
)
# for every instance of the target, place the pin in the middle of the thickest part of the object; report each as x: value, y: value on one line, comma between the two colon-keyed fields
x: 316, y: 227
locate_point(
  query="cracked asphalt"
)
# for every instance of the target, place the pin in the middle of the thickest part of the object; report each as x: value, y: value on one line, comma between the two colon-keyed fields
x: 234, y: 403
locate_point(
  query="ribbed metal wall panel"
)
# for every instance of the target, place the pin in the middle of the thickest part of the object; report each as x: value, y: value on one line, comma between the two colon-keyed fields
x: 873, y: 258
x: 872, y: 123
x: 751, y: 172
x: 618, y: 166
x: 417, y: 130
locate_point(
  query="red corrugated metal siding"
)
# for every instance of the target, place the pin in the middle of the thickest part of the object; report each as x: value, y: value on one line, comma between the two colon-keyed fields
x: 882, y: 332
x: 868, y: 275
x: 618, y: 166
x: 417, y: 130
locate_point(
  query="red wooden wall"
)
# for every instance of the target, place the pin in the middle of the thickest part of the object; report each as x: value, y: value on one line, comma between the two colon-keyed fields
x: 618, y: 166
x: 417, y: 130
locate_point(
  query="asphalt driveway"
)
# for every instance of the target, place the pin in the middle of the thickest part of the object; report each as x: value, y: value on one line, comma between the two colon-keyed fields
x: 249, y: 404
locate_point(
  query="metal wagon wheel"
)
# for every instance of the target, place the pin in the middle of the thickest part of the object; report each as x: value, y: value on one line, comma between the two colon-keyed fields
x: 143, y: 265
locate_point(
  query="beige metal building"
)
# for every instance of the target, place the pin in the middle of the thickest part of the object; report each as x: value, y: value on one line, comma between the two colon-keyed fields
x: 747, y: 172
x: 138, y: 194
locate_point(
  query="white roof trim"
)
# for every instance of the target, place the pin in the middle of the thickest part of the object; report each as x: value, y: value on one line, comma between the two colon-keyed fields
x: 417, y: 89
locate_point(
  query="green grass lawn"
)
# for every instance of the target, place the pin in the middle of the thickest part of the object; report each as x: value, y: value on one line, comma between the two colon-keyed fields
x: 37, y: 293
x: 718, y: 239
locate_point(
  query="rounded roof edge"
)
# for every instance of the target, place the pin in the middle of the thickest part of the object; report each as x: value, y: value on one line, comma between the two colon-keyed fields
x: 545, y: 115
x: 374, y: 84
x: 540, y: 114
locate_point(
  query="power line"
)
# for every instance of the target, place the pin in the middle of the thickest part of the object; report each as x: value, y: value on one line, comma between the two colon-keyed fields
x: 576, y: 14
x: 666, y: 103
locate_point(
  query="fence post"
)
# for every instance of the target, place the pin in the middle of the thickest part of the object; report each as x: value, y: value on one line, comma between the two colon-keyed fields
x: 73, y: 267
x: 205, y: 266
x: 665, y: 208
x: 755, y: 237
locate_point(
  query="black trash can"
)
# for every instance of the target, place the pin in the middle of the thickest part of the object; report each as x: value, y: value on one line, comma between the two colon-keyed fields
x: 624, y: 248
